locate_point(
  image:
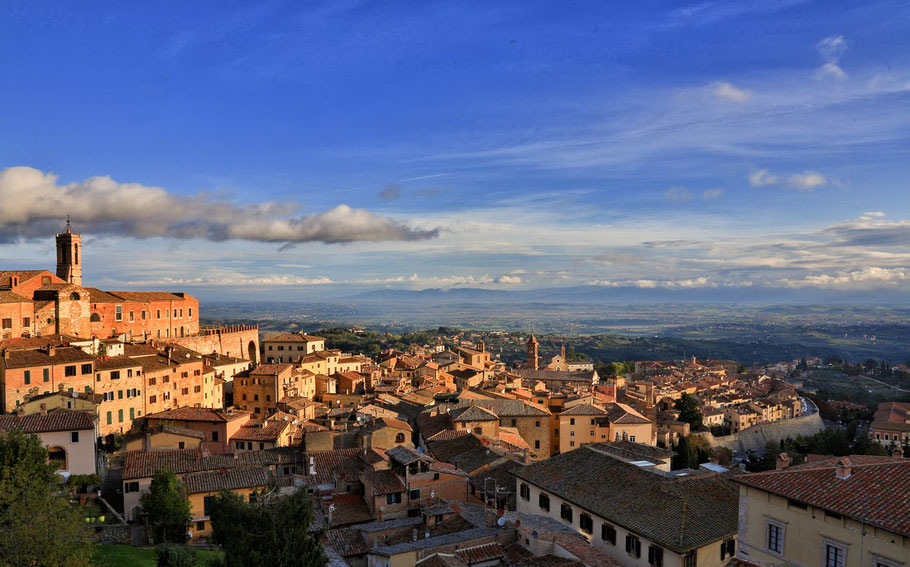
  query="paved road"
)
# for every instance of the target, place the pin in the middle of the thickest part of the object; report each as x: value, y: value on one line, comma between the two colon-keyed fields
x: 892, y: 386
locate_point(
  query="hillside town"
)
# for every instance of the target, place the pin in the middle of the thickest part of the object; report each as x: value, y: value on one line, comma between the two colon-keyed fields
x: 440, y: 454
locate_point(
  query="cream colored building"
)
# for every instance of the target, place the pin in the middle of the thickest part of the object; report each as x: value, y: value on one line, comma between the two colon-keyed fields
x: 290, y: 347
x: 69, y: 437
x: 842, y: 512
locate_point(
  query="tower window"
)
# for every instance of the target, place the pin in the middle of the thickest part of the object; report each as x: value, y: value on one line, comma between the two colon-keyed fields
x: 118, y: 313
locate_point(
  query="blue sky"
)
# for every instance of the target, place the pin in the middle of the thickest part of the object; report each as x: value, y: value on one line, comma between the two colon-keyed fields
x: 314, y: 149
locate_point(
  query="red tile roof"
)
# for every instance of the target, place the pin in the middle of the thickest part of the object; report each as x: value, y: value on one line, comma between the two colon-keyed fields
x: 877, y: 491
x: 480, y: 553
x: 198, y: 414
x: 60, y: 420
x: 226, y: 479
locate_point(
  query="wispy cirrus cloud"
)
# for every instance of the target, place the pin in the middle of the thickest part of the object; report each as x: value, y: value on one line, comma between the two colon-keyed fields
x: 831, y: 49
x: 802, y: 181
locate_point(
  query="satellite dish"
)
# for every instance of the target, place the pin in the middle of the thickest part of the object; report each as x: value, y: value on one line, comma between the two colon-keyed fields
x: 501, y: 522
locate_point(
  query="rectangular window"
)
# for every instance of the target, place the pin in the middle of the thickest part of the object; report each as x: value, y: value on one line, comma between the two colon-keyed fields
x: 157, y: 314
x: 109, y: 418
x: 131, y: 486
x: 74, y: 437
x: 119, y: 416
x: 27, y: 375
x: 690, y: 560
x: 727, y: 549
x: 394, y: 498
x: 132, y: 414
x: 26, y: 322
x: 214, y: 436
x: 565, y: 512
x: 608, y: 534
x: 132, y: 316
x: 118, y: 313
x: 655, y: 556
x: 835, y: 555
x: 586, y: 523
x: 537, y: 443
x: 190, y: 312
x: 775, y: 538
x: 633, y: 546
x: 240, y: 445
x: 119, y: 394
x: 7, y: 323
x: 47, y: 374
x: 415, y: 494
x: 142, y: 314
x: 200, y: 526
x: 207, y: 505
x: 525, y: 491
x: 544, y: 502
x: 115, y: 375
x: 69, y: 370
x: 87, y: 369
x: 571, y: 421
x: 153, y: 399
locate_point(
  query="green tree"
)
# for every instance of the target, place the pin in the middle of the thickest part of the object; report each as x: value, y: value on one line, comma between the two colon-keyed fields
x: 166, y: 508
x: 689, y: 412
x: 38, y: 527
x: 272, y: 530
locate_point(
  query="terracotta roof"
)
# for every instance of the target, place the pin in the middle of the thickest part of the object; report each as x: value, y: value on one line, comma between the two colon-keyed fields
x: 473, y: 413
x: 267, y: 369
x: 23, y: 275
x: 440, y: 560
x: 60, y: 420
x: 144, y: 464
x: 10, y: 297
x: 406, y: 455
x: 877, y: 491
x: 480, y: 553
x: 892, y: 416
x: 383, y: 482
x: 502, y: 408
x: 115, y: 362
x: 227, y: 479
x: 621, y: 413
x: 348, y: 542
x: 147, y: 296
x: 292, y: 337
x: 584, y: 409
x: 198, y: 414
x: 270, y: 430
x: 26, y: 358
x: 678, y: 512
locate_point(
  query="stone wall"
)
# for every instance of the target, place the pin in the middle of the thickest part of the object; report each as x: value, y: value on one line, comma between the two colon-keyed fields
x: 757, y: 436
x: 240, y: 341
x: 115, y: 533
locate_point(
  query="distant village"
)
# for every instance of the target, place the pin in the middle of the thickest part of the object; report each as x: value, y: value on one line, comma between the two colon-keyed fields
x: 437, y: 455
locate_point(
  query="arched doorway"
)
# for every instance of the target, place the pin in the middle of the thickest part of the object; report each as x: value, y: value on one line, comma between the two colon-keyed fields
x: 57, y: 455
x: 253, y: 352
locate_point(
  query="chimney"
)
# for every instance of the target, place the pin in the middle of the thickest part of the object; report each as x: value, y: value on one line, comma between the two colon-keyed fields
x: 783, y: 461
x: 844, y: 468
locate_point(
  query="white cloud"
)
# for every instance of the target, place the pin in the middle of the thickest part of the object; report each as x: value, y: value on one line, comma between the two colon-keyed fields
x: 831, y: 49
x: 729, y: 93
x: 230, y: 281
x: 762, y: 177
x: 678, y: 194
x: 508, y: 280
x: 872, y: 215
x: 654, y: 284
x: 712, y: 193
x: 34, y: 203
x: 807, y: 181
x: 803, y: 181
x: 864, y: 278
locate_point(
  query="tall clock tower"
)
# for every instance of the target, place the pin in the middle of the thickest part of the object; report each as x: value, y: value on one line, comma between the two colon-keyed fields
x: 69, y: 255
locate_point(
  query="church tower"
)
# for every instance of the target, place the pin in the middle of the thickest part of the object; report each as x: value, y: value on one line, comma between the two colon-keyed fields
x: 532, y: 353
x: 69, y: 251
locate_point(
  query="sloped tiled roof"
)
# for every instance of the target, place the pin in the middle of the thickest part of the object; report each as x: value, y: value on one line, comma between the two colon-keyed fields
x: 26, y: 358
x: 227, y: 479
x: 584, y: 409
x: 473, y: 413
x: 383, y: 482
x: 877, y: 491
x: 480, y: 553
x: 198, y: 414
x: 60, y: 420
x: 269, y: 430
x: 678, y: 512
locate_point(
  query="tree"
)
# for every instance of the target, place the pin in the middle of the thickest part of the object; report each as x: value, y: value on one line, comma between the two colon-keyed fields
x: 37, y: 526
x: 689, y: 412
x: 165, y: 507
x: 272, y: 530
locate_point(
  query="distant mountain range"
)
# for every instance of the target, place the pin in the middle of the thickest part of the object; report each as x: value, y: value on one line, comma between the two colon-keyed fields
x: 613, y: 295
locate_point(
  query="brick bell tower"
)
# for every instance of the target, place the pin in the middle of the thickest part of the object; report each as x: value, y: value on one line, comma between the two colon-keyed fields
x: 533, y: 357
x: 69, y: 255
